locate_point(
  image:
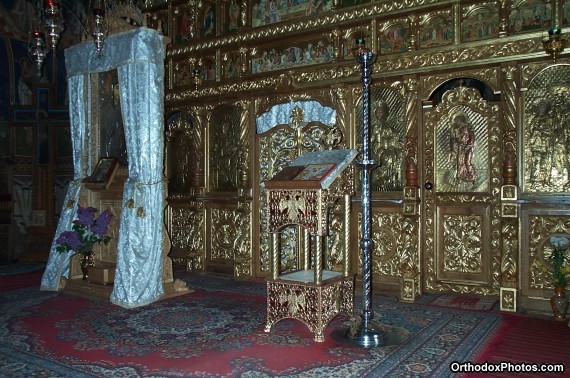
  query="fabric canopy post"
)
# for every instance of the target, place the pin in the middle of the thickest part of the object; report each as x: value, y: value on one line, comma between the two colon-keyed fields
x: 58, y: 263
x: 138, y: 277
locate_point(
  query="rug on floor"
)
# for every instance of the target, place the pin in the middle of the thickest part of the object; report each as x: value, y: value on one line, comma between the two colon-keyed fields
x: 529, y: 340
x: 220, y: 333
x: 465, y: 302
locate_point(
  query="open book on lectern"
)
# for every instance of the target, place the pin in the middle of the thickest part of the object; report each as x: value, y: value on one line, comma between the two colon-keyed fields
x: 313, y: 170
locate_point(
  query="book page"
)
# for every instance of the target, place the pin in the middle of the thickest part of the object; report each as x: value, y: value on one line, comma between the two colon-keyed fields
x: 314, y: 172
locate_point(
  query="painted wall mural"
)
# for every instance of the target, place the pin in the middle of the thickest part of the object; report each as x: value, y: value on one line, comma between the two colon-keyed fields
x: 272, y: 11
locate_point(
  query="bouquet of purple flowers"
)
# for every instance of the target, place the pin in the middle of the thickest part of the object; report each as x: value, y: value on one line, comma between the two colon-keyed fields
x: 86, y: 231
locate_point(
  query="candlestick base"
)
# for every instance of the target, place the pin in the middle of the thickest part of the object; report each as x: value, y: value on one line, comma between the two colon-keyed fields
x: 370, y: 336
x: 375, y: 335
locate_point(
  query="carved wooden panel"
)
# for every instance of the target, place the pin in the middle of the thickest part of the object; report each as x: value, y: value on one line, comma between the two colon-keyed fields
x: 546, y: 141
x: 461, y: 208
x: 539, y: 222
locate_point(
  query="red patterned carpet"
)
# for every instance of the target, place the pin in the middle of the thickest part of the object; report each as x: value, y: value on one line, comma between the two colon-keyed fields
x: 526, y: 340
x: 218, y: 330
x: 465, y: 302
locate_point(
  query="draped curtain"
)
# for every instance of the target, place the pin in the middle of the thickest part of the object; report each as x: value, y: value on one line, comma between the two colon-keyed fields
x: 58, y: 263
x: 138, y: 278
x: 139, y: 57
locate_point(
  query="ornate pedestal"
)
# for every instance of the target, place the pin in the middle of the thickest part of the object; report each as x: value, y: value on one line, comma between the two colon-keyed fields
x: 313, y: 304
x: 311, y: 295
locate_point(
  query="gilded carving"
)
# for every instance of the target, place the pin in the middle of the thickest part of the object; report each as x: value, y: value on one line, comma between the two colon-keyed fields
x: 392, y: 247
x: 179, y: 152
x: 546, y: 138
x: 489, y: 76
x: 303, y: 25
x: 314, y: 305
x: 277, y: 148
x: 197, y: 241
x: 243, y: 164
x: 510, y: 113
x: 224, y: 234
x: 181, y: 223
x: 510, y: 247
x: 462, y: 244
x: 297, y: 206
x: 224, y: 149
x: 541, y: 227
x: 243, y: 258
x: 335, y: 243
x: 495, y: 51
x: 387, y: 137
x: 529, y: 71
x: 456, y: 184
x: 509, y: 210
x: 199, y: 117
x: 508, y: 299
x: 339, y: 99
x: 411, y: 117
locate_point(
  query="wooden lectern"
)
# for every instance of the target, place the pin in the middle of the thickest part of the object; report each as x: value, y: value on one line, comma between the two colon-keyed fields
x: 302, y: 194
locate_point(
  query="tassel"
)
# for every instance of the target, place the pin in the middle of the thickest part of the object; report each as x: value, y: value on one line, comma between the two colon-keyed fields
x: 130, y: 204
x: 141, y: 213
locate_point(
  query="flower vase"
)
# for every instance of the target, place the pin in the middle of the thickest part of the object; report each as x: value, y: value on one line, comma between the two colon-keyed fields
x: 86, y: 259
x: 559, y: 303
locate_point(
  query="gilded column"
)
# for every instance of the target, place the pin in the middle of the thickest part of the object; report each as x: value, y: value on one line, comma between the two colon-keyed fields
x: 509, y: 194
x: 243, y: 257
x: 410, y: 285
x: 411, y: 194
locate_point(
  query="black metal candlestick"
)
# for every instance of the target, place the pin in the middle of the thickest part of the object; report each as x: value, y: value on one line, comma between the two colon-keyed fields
x: 365, y: 333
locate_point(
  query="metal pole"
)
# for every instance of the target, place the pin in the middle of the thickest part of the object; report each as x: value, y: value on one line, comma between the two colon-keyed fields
x: 365, y: 334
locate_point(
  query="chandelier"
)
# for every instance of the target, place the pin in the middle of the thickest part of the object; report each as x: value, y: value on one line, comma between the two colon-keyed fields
x: 51, y: 23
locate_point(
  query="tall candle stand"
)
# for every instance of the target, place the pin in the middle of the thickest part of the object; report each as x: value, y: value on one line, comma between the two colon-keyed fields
x: 365, y: 333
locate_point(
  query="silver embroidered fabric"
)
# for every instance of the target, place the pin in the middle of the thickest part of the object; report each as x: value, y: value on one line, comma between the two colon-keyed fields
x: 139, y: 57
x: 58, y: 263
